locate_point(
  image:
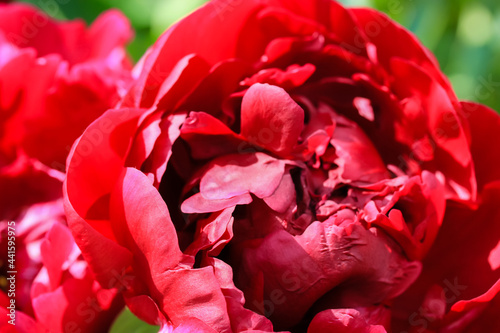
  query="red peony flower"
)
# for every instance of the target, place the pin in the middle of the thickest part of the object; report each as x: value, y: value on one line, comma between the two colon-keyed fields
x: 55, y: 79
x: 291, y: 165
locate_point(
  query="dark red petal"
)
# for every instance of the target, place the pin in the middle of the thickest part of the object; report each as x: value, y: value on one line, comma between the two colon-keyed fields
x: 413, y: 214
x: 464, y: 306
x: 481, y: 313
x: 242, y: 319
x: 145, y: 140
x: 208, y: 137
x: 271, y: 119
x: 294, y: 76
x: 186, y: 74
x: 462, y: 262
x: 316, y: 135
x: 282, y: 276
x: 342, y: 321
x: 157, y: 161
x: 26, y: 182
x: 220, y: 82
x: 282, y: 50
x: 357, y: 157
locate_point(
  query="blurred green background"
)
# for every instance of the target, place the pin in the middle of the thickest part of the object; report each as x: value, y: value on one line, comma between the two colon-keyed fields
x: 463, y: 34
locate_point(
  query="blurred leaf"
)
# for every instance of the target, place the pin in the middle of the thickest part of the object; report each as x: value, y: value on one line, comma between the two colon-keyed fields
x: 138, y: 11
x: 476, y: 25
x: 431, y: 24
x: 127, y: 322
x: 166, y: 13
x: 358, y: 3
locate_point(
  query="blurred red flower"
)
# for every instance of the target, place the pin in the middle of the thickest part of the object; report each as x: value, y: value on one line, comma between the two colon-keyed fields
x: 55, y: 79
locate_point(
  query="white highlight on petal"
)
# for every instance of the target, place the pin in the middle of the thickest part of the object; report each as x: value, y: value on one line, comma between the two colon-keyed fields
x: 494, y: 257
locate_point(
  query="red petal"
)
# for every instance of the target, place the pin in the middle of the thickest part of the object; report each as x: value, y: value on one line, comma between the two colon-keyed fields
x: 55, y: 250
x: 242, y: 319
x: 335, y: 18
x: 452, y: 154
x: 284, y: 196
x: 75, y: 304
x: 110, y: 30
x: 271, y: 119
x: 485, y: 132
x: 192, y: 325
x: 208, y: 137
x: 294, y: 76
x: 199, y: 204
x: 105, y: 142
x: 213, y: 233
x: 463, y: 306
x: 392, y: 40
x: 145, y: 308
x: 222, y: 80
x: 107, y: 259
x: 22, y: 23
x: 204, y: 300
x: 235, y: 175
x: 23, y: 322
x: 152, y: 236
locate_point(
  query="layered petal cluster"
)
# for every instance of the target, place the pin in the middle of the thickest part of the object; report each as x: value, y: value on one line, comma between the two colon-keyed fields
x: 55, y: 79
x: 54, y: 288
x: 291, y: 166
